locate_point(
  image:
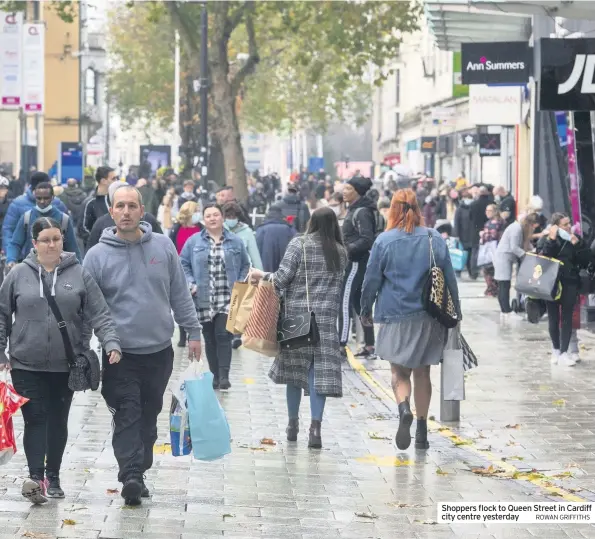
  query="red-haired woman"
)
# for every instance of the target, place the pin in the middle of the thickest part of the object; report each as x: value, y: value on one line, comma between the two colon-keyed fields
x: 409, y: 338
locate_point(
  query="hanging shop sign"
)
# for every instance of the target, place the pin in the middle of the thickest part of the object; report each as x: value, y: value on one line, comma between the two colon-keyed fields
x: 428, y: 144
x: 467, y: 140
x: 33, y: 67
x: 496, y: 63
x: 11, y: 57
x: 392, y: 159
x: 489, y: 145
x: 567, y: 74
x: 495, y: 105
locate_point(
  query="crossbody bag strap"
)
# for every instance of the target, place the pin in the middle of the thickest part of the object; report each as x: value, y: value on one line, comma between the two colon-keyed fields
x: 61, y: 323
x: 306, y: 269
x: 432, y: 259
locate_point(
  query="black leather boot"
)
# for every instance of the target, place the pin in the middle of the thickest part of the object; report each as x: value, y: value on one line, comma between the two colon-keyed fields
x: 421, y: 435
x: 54, y: 490
x: 224, y: 379
x: 293, y: 427
x: 315, y: 439
x: 403, y: 437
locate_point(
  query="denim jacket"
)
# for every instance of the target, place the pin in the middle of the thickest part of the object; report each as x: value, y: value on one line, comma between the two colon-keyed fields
x: 397, y: 271
x: 195, y: 261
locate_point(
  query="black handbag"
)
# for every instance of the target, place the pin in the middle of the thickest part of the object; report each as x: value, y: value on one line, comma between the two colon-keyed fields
x: 436, y: 297
x: 538, y: 277
x: 84, y: 368
x: 298, y: 330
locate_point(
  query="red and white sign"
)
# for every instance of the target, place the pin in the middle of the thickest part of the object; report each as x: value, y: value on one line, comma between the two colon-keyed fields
x: 11, y: 52
x: 33, y: 67
x: 392, y: 159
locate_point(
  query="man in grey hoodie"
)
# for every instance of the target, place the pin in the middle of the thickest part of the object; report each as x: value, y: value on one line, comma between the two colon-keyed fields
x: 142, y: 281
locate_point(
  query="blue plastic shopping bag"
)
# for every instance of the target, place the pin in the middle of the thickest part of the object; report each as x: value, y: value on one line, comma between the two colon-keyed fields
x: 209, y: 430
x: 458, y: 256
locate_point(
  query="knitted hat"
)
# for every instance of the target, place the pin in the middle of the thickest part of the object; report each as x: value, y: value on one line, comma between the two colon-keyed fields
x: 360, y: 184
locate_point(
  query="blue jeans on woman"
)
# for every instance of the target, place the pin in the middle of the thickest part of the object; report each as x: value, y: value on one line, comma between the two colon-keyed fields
x: 294, y: 398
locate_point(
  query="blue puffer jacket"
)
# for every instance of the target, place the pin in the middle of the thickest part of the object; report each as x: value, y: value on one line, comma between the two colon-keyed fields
x: 195, y: 261
x: 18, y: 208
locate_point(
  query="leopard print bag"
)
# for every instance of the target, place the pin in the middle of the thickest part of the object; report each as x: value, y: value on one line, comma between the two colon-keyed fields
x: 436, y: 297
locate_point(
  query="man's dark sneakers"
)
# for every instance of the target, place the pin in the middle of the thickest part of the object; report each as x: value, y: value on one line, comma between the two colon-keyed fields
x: 132, y: 491
x: 403, y: 437
x: 145, y: 491
x: 366, y: 353
x: 54, y: 490
x: 224, y: 382
x: 215, y: 382
x: 236, y: 342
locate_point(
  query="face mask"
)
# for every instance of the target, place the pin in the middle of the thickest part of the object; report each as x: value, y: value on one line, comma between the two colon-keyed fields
x: 196, y: 218
x: 44, y: 210
x: 563, y: 234
x: 467, y: 201
x: 497, y: 198
x: 336, y: 210
x: 231, y: 223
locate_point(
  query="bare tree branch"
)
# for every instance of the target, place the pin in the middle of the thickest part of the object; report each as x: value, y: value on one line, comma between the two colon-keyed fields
x: 233, y: 20
x: 181, y: 24
x: 253, y: 56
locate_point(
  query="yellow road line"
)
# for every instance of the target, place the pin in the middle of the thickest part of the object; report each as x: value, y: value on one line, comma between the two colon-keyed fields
x: 468, y: 444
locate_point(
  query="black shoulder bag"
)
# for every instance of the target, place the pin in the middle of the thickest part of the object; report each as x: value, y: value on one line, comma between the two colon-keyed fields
x: 84, y: 368
x: 436, y: 297
x: 298, y: 330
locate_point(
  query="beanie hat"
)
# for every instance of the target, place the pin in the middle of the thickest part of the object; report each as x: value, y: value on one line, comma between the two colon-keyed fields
x: 37, y: 178
x: 360, y: 184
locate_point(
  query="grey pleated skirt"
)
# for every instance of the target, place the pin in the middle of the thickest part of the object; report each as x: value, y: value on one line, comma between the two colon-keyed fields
x: 415, y: 341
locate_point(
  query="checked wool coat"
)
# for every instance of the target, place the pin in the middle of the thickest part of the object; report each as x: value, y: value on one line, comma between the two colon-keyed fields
x: 292, y: 366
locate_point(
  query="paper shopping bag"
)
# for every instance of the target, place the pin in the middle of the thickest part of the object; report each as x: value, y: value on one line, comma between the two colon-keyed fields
x: 538, y: 277
x: 244, y: 309
x: 453, y: 370
x: 260, y: 334
x: 237, y: 295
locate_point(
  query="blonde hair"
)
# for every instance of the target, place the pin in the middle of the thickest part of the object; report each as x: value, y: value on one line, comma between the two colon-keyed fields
x: 186, y: 211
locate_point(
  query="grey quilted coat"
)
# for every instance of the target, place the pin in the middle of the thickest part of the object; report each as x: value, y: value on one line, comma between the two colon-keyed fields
x: 292, y: 366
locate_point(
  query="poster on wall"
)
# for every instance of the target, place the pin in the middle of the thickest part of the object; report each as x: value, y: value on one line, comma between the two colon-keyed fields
x: 33, y: 68
x: 70, y: 161
x: 11, y: 48
x: 490, y: 145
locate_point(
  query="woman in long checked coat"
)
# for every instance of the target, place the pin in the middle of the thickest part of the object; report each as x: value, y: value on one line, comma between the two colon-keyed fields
x: 317, y: 258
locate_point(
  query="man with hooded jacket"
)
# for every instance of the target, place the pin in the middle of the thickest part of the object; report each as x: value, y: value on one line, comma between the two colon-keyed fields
x: 359, y: 233
x: 292, y: 206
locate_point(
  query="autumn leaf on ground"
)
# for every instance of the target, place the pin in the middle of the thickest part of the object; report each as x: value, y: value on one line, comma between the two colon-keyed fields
x: 429, y: 522
x: 376, y: 436
x: 488, y: 448
x: 228, y: 515
x: 401, y: 505
x: 459, y: 441
x: 514, y: 457
x: 354, y: 405
x: 268, y: 441
x: 559, y: 402
x: 442, y: 429
x: 112, y: 491
x: 491, y: 470
x: 366, y: 515
x: 432, y: 418
x: 440, y: 471
x: 574, y: 490
x: 512, y: 443
x: 35, y: 535
x: 515, y: 426
x: 554, y: 493
x: 563, y: 475
x: 68, y: 522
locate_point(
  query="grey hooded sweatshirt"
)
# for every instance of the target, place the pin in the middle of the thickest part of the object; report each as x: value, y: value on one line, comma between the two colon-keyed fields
x: 142, y: 283
x: 35, y: 340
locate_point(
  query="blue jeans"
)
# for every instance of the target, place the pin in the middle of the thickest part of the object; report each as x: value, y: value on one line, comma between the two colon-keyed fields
x: 294, y: 398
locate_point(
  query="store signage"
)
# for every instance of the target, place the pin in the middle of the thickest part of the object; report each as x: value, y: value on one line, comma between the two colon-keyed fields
x: 567, y: 74
x: 489, y: 145
x: 392, y: 159
x: 496, y: 63
x: 33, y: 67
x: 11, y: 52
x: 467, y: 140
x: 70, y: 161
x: 495, y: 105
x: 428, y: 144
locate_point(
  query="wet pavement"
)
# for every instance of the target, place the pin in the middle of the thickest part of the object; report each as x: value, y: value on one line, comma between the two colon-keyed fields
x: 523, y: 416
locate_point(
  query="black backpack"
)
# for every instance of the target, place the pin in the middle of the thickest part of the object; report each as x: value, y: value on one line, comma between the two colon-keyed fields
x: 379, y: 221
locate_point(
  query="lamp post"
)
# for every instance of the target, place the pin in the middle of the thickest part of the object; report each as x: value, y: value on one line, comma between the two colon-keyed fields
x: 204, y: 96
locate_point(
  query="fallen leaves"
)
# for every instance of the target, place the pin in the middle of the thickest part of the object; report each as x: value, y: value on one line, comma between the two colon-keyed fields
x: 563, y: 475
x: 112, y: 491
x: 490, y: 471
x: 354, y: 405
x: 486, y: 449
x: 366, y: 515
x: 228, y: 515
x: 68, y: 522
x: 559, y: 402
x: 248, y: 381
x: 458, y: 441
x: 384, y: 461
x: 401, y: 505
x: 511, y: 443
x: 516, y: 426
x: 376, y: 436
x: 162, y: 449
x: 428, y: 522
x: 35, y: 535
x: 440, y: 471
x: 268, y: 441
x: 513, y: 457
x: 442, y: 429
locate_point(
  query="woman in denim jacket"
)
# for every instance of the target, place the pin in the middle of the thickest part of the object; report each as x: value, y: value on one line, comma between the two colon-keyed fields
x: 409, y: 338
x: 213, y: 260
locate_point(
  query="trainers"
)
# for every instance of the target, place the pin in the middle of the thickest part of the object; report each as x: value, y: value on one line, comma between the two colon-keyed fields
x: 132, y: 491
x: 504, y: 318
x: 34, y: 490
x: 366, y: 353
x: 576, y: 357
x: 54, y: 490
x: 236, y: 342
x: 566, y: 360
x: 144, y: 491
x: 555, y: 357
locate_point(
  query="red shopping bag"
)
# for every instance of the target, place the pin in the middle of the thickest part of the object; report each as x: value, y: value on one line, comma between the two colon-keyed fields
x: 10, y: 402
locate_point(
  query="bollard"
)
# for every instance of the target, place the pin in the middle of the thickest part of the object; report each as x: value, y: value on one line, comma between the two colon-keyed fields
x: 449, y: 410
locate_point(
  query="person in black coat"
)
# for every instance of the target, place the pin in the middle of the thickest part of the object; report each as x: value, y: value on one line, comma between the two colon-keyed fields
x: 477, y: 214
x: 272, y: 238
x: 561, y: 244
x: 464, y: 228
x: 292, y: 206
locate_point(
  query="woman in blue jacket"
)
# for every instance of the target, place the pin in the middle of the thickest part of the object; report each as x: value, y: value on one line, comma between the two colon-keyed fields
x: 213, y: 260
x: 409, y: 338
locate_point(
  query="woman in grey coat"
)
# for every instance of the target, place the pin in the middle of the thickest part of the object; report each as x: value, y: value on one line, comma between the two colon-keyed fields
x: 515, y: 242
x: 311, y: 278
x: 38, y: 362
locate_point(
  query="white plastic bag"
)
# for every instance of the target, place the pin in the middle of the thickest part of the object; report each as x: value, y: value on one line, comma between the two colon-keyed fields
x: 453, y: 371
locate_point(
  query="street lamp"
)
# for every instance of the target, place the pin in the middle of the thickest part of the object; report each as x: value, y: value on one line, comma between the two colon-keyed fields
x: 204, y: 96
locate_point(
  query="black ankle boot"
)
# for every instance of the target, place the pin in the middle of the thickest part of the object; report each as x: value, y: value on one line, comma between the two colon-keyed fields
x: 224, y: 379
x: 403, y: 437
x: 293, y: 427
x: 315, y: 438
x: 421, y: 435
x: 54, y: 490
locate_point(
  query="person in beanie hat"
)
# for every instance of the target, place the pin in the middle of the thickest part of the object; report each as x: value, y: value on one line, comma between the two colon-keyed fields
x: 359, y: 232
x: 273, y: 237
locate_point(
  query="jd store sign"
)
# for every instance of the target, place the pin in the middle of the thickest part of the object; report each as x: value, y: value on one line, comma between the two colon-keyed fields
x: 496, y: 63
x: 567, y: 74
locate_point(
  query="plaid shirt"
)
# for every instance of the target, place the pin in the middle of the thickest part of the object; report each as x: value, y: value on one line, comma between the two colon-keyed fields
x: 220, y: 292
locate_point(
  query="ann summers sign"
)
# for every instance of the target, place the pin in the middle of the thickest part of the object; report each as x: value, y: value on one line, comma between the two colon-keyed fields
x: 496, y: 63
x: 567, y: 74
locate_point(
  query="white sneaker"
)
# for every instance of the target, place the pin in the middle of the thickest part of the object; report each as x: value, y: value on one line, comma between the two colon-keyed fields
x: 566, y: 360
x: 575, y: 357
x: 504, y: 318
x: 555, y: 357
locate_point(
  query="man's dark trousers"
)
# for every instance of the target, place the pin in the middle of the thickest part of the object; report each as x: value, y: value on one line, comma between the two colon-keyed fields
x: 133, y: 391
